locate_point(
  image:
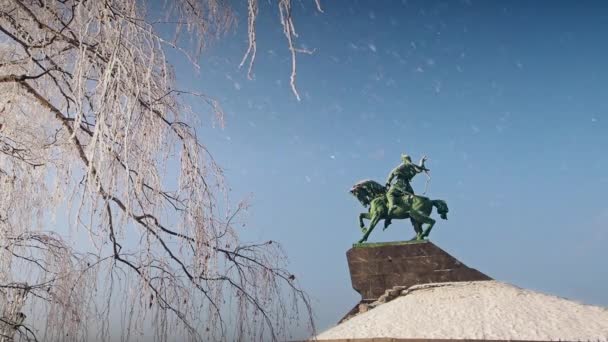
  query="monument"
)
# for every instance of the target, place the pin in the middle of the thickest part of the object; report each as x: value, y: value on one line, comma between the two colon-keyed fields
x: 414, y: 291
x: 379, y: 269
x: 396, y: 200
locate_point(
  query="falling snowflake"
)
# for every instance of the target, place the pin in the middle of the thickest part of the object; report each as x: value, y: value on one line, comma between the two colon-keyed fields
x: 438, y: 87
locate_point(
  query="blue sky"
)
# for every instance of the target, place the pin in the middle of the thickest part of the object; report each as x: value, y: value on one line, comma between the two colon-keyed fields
x: 507, y: 99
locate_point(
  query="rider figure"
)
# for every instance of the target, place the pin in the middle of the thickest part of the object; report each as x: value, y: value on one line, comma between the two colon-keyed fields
x: 404, y: 173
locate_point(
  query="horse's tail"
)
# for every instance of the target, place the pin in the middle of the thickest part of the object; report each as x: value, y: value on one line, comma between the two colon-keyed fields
x: 442, y: 208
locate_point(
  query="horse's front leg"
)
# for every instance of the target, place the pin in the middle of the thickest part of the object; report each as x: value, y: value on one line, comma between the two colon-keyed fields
x: 361, y: 224
x: 422, y: 219
x: 372, y: 224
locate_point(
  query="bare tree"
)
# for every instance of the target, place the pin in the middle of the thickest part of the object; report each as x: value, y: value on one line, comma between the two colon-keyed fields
x: 91, y: 124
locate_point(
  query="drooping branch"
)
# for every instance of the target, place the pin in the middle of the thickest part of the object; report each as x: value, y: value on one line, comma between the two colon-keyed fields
x: 90, y: 120
x: 288, y: 31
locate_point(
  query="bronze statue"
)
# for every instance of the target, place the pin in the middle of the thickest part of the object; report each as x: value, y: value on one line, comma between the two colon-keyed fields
x: 403, y: 173
x: 398, y: 201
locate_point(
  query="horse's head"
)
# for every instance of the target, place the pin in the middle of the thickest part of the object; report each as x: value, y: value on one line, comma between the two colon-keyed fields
x: 367, y: 190
x: 361, y: 194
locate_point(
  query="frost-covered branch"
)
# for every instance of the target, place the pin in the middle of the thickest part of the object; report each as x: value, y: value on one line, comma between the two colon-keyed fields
x: 91, y: 124
x: 288, y: 30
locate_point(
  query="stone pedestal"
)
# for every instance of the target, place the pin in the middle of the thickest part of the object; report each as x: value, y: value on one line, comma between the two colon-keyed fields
x: 378, y: 267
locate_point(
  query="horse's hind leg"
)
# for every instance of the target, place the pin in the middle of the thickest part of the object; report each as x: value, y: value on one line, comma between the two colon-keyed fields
x: 427, y: 231
x: 417, y: 229
x: 387, y: 222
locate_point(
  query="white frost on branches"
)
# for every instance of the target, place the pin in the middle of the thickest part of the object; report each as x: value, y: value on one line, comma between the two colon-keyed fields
x: 288, y: 30
x: 91, y: 123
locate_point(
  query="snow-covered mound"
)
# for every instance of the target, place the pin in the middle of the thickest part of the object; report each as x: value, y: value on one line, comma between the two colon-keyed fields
x: 489, y: 310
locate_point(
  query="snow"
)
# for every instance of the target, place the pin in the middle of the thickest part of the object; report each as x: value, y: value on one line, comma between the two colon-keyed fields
x: 488, y: 310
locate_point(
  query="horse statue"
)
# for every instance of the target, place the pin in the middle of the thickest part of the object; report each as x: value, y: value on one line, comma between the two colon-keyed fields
x: 415, y: 207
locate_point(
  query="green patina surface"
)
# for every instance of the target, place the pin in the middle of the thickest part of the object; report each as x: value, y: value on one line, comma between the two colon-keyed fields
x: 396, y: 200
x: 390, y: 243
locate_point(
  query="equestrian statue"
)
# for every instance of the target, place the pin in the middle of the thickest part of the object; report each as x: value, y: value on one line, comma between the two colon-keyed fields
x: 396, y: 200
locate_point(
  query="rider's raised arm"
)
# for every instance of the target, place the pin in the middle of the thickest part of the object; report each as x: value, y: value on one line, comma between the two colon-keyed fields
x: 418, y: 168
x: 421, y: 167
